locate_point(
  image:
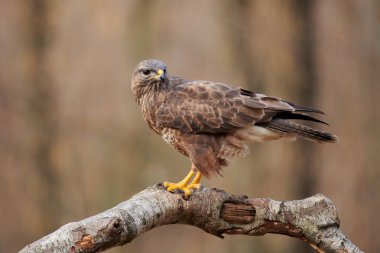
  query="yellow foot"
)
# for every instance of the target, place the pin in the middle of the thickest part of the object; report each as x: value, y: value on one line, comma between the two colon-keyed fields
x: 184, y: 185
x: 178, y: 186
x: 186, y: 189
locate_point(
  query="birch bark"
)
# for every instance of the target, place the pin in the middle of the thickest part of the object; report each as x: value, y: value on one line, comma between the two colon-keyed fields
x: 313, y: 220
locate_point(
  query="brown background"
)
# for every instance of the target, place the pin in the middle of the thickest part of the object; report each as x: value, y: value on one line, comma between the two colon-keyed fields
x: 73, y: 142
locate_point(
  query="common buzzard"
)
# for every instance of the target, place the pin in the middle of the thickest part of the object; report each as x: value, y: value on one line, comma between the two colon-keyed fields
x: 213, y: 122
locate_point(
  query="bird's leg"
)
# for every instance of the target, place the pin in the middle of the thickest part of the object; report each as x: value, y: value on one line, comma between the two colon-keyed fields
x: 195, y: 183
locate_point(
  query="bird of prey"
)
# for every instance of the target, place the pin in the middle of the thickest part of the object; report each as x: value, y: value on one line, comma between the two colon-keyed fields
x: 213, y: 122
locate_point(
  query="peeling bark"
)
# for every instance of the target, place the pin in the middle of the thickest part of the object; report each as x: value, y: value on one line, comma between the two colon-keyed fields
x: 313, y: 220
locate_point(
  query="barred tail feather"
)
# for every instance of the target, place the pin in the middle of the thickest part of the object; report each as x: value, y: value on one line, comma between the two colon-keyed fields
x: 290, y: 128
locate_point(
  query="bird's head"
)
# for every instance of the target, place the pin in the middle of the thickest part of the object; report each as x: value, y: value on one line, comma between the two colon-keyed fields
x: 149, y: 75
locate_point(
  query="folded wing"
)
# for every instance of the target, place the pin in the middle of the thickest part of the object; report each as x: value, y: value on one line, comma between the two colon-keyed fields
x: 206, y: 107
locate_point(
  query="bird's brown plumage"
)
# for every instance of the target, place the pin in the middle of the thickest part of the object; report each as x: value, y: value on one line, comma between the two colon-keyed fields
x: 212, y: 122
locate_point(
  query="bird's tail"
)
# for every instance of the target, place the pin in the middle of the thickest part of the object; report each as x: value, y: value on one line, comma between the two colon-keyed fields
x: 287, y: 127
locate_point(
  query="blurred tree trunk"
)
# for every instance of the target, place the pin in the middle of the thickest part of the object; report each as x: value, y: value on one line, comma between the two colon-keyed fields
x: 238, y: 27
x: 42, y: 116
x: 307, y: 89
x: 141, y: 30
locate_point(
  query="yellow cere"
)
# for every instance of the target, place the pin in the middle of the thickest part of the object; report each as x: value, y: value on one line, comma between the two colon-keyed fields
x: 160, y: 72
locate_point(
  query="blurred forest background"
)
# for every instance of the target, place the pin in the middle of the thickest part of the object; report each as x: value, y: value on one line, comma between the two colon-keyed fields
x: 73, y: 142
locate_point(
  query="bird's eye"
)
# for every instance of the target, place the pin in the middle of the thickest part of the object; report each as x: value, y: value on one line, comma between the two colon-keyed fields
x: 146, y: 71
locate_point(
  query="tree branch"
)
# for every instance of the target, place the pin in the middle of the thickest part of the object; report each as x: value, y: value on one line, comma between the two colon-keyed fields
x: 313, y: 220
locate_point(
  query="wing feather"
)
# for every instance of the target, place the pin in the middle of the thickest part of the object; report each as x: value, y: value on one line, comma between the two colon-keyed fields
x: 205, y: 107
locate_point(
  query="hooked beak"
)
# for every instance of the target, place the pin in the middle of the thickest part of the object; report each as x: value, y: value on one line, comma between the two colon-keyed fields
x: 160, y: 75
